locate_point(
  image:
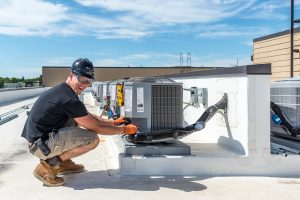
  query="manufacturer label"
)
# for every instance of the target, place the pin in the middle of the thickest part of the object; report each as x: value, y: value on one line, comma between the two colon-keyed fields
x: 128, y: 99
x: 140, y: 99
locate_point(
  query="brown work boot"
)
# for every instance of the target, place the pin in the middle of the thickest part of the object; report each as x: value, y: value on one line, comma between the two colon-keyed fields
x: 68, y: 167
x: 44, y: 173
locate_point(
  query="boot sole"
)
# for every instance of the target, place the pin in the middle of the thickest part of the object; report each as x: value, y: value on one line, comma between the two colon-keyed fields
x: 46, y: 182
x: 71, y: 172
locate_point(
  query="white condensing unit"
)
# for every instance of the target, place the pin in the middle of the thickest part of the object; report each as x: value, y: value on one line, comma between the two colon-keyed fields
x: 286, y: 94
x: 153, y: 103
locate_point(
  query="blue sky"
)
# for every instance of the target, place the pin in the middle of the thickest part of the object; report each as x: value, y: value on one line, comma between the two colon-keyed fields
x: 36, y: 33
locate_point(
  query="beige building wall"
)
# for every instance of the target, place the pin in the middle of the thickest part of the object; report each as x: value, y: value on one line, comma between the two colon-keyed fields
x: 54, y: 75
x: 275, y: 49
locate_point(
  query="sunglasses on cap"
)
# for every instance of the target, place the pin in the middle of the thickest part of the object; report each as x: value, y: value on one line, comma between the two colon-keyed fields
x: 84, y: 80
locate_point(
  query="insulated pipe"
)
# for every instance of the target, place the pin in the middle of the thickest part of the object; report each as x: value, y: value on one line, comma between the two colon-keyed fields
x: 292, y: 39
x: 8, y: 118
x: 10, y: 115
x: 285, y: 124
x: 169, y: 134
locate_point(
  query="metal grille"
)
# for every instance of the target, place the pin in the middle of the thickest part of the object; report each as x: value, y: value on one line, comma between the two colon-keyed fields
x: 166, y: 107
x: 286, y: 94
x: 288, y: 99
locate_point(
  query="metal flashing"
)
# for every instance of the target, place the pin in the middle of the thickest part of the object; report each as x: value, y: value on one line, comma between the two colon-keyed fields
x: 171, y: 67
x: 274, y: 35
x: 258, y: 69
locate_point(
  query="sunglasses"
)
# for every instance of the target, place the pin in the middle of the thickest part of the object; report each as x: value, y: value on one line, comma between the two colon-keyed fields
x: 84, y: 80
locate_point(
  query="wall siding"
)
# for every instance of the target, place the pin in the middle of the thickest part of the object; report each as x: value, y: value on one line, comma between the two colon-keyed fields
x: 276, y: 51
x: 54, y: 75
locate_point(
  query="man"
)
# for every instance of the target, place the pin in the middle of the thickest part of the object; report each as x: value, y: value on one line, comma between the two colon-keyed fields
x: 52, y: 126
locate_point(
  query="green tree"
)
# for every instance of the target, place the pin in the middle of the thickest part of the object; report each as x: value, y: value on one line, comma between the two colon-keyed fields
x: 16, y: 80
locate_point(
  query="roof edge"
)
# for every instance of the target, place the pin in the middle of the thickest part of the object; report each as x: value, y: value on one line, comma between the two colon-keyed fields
x: 278, y: 34
x: 258, y: 69
x: 178, y: 67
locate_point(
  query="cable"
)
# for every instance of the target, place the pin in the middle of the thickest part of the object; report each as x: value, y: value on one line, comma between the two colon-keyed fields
x: 10, y: 115
x: 177, y: 133
x: 284, y: 123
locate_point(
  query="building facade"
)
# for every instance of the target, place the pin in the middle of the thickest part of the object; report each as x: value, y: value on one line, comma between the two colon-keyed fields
x: 275, y: 49
x: 54, y: 75
x: 14, y: 85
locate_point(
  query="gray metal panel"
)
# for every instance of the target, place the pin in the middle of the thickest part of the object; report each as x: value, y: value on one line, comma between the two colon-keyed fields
x: 286, y: 142
x: 258, y: 69
x: 166, y: 107
x: 99, y: 89
x: 143, y: 119
x: 176, y: 148
x: 286, y: 94
x: 161, y: 111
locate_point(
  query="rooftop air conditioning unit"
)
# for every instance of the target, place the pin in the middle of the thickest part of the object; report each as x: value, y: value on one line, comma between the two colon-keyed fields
x: 99, y: 92
x: 153, y: 103
x: 97, y: 89
x: 286, y: 94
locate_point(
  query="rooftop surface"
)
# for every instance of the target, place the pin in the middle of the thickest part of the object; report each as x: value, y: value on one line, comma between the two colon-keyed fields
x: 18, y: 182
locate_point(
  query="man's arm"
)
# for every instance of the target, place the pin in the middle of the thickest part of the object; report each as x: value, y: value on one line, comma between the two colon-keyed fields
x: 99, y: 125
x: 104, y: 126
x: 104, y: 122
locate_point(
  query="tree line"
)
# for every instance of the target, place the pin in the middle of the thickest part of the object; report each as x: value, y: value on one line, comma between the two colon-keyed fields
x: 17, y: 80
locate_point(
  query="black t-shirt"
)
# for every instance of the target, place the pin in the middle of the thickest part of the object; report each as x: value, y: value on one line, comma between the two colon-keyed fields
x: 51, y: 111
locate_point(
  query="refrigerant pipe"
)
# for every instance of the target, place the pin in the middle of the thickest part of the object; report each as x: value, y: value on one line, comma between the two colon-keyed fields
x: 169, y: 134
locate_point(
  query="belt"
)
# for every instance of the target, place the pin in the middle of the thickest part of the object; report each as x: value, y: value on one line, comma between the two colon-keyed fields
x: 31, y: 143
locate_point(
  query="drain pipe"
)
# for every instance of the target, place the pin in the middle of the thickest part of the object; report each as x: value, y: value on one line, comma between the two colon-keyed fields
x: 8, y: 118
x: 178, y: 133
x: 292, y: 50
x: 10, y: 115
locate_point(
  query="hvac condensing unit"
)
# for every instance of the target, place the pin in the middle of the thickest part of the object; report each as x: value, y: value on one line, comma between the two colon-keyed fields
x: 94, y: 88
x: 286, y: 94
x: 153, y: 103
x: 99, y: 91
x: 285, y: 108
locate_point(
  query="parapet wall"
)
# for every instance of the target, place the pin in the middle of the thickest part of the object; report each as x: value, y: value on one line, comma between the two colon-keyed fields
x: 16, y: 94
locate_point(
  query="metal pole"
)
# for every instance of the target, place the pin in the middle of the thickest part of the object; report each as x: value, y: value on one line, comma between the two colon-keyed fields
x: 189, y: 60
x: 292, y: 38
x: 181, y: 60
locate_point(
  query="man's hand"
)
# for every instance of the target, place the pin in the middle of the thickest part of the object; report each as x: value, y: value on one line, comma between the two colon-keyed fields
x: 130, y: 129
x: 119, y: 121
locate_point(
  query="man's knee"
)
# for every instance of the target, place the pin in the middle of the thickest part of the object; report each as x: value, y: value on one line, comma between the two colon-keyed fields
x: 95, y: 143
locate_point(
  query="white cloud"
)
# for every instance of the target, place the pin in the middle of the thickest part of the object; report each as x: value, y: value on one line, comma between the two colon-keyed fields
x: 18, y: 72
x: 125, y: 19
x: 30, y: 17
x: 153, y: 59
x: 58, y: 61
x: 157, y: 59
x: 108, y: 59
x: 106, y: 28
x: 109, y: 62
x: 225, y: 30
x: 170, y: 11
x: 216, y: 61
x: 131, y: 19
x: 138, y: 19
x: 271, y: 10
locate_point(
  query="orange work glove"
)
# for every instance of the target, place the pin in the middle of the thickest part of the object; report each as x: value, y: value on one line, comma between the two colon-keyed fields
x: 130, y: 129
x: 120, y: 120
